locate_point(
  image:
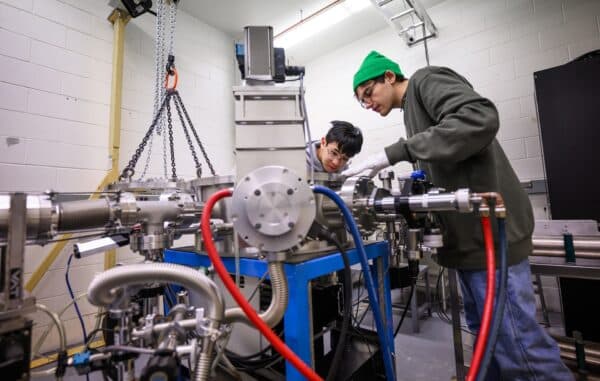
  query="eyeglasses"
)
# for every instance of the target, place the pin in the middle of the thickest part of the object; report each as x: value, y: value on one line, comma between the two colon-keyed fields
x: 336, y: 155
x: 365, y: 101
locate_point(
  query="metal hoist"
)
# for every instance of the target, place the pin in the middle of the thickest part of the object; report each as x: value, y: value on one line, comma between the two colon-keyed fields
x: 166, y: 94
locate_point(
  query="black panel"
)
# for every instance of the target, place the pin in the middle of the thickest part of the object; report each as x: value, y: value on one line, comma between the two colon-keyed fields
x: 568, y: 101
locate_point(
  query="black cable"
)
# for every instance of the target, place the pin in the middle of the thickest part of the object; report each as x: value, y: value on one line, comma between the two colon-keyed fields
x: 91, y: 335
x: 347, y: 313
x: 412, y: 291
x: 248, y: 357
x: 100, y: 233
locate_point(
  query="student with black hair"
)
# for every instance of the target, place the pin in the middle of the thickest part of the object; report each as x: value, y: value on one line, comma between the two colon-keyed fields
x: 332, y: 152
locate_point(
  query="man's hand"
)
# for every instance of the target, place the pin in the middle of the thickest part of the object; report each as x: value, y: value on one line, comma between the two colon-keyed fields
x: 370, y: 166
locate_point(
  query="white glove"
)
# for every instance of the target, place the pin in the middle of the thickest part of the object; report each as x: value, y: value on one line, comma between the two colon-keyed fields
x: 370, y: 166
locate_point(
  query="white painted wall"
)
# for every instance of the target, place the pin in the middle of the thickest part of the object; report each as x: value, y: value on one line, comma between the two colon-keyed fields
x: 495, y: 44
x: 55, y: 78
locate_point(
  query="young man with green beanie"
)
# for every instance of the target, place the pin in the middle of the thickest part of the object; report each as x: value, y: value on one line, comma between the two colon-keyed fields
x: 451, y: 133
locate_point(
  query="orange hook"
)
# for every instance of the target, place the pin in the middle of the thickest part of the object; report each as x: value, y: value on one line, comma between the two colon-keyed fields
x: 175, y: 79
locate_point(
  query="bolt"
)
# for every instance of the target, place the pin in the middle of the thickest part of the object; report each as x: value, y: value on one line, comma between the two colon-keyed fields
x: 257, y: 192
x: 290, y: 191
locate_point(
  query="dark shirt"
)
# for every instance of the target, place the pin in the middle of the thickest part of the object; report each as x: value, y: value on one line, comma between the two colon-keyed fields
x: 451, y: 135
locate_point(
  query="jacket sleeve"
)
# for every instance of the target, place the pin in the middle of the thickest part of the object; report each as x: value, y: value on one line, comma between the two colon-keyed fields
x: 465, y: 122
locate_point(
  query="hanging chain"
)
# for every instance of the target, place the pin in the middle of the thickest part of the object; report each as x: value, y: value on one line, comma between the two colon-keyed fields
x: 210, y: 166
x: 158, y: 57
x: 171, y: 140
x: 164, y: 62
x: 147, y: 164
x: 129, y: 170
x: 188, y: 138
x: 172, y: 21
x: 164, y: 146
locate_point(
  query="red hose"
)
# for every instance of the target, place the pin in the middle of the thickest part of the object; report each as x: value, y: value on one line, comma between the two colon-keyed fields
x: 279, y: 345
x: 488, y: 307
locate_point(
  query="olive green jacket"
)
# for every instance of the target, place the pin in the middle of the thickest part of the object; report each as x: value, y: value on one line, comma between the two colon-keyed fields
x: 451, y: 135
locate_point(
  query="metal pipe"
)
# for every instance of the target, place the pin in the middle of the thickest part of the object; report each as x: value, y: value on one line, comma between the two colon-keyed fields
x: 570, y: 348
x: 561, y: 253
x: 273, y: 315
x: 571, y: 356
x: 40, y: 216
x: 579, y: 244
x: 84, y: 214
x: 59, y: 325
x: 108, y: 287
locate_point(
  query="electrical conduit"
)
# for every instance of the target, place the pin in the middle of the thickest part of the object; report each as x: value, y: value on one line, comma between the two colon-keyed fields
x: 273, y: 315
x: 211, y: 250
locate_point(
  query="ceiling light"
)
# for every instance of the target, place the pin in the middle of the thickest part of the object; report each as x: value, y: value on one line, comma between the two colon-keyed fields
x: 319, y: 21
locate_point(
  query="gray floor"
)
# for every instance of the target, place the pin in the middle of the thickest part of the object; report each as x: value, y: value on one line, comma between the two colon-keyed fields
x: 427, y: 355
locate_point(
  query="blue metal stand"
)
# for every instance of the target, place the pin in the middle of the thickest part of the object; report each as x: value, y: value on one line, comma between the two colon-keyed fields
x: 298, y: 335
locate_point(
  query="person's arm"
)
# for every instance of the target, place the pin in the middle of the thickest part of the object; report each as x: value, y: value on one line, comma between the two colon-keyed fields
x: 466, y: 121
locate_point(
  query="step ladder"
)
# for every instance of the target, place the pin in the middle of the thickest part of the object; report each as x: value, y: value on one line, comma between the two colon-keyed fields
x: 408, y: 18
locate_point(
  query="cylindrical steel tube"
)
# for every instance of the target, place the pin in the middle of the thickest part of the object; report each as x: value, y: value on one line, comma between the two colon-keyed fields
x: 579, y: 244
x: 83, y: 214
x: 40, y: 216
x: 561, y: 253
x: 276, y: 310
x: 107, y: 287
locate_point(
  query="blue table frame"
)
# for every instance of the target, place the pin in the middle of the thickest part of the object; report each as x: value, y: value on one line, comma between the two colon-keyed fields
x: 297, y: 319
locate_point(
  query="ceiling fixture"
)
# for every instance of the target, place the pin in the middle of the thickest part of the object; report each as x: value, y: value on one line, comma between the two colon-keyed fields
x: 318, y: 21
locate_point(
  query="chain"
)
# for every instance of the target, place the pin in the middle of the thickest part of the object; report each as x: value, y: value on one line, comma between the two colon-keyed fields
x: 210, y: 166
x: 128, y: 171
x: 171, y: 142
x: 159, y: 91
x: 147, y: 164
x: 188, y: 137
x: 164, y: 146
x: 172, y: 21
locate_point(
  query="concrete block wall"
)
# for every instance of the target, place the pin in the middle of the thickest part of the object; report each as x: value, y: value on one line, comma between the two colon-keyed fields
x: 495, y: 44
x: 55, y: 78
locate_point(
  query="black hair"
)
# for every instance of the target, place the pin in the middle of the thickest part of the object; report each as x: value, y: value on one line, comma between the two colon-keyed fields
x: 348, y: 137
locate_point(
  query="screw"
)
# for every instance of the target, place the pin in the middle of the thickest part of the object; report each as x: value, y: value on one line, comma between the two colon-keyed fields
x: 257, y: 192
x: 257, y: 226
x: 290, y: 224
x: 290, y: 191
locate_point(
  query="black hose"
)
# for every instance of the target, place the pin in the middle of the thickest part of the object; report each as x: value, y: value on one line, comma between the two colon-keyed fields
x: 500, y: 304
x: 341, y: 344
x: 412, y: 290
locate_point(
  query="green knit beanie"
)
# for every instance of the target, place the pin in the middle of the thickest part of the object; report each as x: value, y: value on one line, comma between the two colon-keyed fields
x: 374, y: 65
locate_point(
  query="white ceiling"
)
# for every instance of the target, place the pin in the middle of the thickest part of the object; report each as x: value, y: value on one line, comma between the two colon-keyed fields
x: 230, y: 16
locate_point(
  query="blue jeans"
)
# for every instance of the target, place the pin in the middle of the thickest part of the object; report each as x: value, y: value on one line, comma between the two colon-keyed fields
x: 524, y: 350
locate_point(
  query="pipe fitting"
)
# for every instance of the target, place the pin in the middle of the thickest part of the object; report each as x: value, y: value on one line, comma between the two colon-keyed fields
x: 273, y: 315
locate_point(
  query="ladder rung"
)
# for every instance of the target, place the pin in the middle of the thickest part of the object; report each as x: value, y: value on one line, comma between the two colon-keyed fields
x: 383, y: 2
x: 409, y: 28
x: 402, y: 14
